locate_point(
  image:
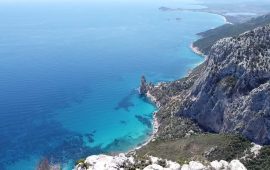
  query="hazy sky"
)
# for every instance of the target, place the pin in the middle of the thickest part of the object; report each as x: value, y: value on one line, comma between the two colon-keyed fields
x: 78, y: 1
x: 100, y: 2
x: 52, y: 1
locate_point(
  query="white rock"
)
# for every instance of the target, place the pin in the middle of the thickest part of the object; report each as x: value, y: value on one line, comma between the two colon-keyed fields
x: 236, y: 165
x: 193, y: 165
x: 255, y: 149
x: 101, y: 162
x: 120, y: 160
x: 78, y: 167
x: 154, y: 160
x: 105, y: 162
x: 131, y: 160
x: 224, y: 163
x: 216, y: 165
x: 172, y: 165
x: 219, y: 165
x: 154, y: 167
x: 185, y: 167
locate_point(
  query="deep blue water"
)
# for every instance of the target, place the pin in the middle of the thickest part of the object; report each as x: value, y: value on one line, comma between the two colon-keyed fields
x: 69, y: 73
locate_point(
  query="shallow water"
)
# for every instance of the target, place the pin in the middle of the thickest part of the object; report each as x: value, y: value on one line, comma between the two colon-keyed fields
x: 69, y: 73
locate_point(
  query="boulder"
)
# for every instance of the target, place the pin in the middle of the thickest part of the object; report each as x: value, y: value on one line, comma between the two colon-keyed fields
x: 236, y: 165
x: 154, y: 167
x: 193, y: 165
x: 172, y: 165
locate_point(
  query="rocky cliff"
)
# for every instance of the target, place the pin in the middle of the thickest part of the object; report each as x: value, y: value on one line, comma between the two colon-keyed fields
x: 229, y: 92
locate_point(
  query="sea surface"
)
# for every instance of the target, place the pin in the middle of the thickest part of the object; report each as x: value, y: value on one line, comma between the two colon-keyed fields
x: 69, y: 73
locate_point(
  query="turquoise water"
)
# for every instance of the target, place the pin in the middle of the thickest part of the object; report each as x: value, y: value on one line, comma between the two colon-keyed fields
x: 69, y: 74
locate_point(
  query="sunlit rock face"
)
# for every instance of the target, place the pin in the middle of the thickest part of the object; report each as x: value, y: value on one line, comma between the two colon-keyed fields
x: 124, y: 162
x: 230, y: 91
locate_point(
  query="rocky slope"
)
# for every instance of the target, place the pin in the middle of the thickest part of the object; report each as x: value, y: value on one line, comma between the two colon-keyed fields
x: 229, y: 92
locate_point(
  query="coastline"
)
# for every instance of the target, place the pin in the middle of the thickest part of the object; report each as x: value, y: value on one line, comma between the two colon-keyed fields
x: 205, y: 10
x: 225, y: 18
x: 155, y: 125
x: 226, y: 21
x: 152, y: 99
x: 151, y: 137
x: 197, y: 51
x: 155, y: 130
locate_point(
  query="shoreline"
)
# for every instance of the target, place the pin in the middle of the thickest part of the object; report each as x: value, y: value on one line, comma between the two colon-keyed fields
x: 226, y: 20
x: 197, y: 51
x: 155, y: 125
x: 155, y: 122
x: 204, y: 10
x: 152, y: 99
x: 151, y: 137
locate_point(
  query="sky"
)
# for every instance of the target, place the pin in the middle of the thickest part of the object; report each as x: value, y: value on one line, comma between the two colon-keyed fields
x: 78, y: 1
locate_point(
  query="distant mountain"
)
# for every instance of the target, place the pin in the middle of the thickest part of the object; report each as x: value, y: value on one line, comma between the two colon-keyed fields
x: 230, y: 91
x: 228, y: 30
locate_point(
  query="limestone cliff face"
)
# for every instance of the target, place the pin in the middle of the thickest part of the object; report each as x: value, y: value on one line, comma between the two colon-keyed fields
x: 230, y: 91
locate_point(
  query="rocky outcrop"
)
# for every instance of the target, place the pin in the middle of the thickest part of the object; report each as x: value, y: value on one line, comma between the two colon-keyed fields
x: 45, y: 164
x: 143, y: 86
x: 229, y: 92
x: 125, y: 162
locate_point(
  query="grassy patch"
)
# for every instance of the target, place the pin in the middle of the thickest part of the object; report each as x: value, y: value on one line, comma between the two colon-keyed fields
x: 201, y: 147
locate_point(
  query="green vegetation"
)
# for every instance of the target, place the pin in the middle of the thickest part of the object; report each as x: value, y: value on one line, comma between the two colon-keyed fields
x: 234, y: 148
x: 261, y: 162
x: 80, y: 161
x: 228, y: 83
x: 228, y: 30
x: 202, y: 147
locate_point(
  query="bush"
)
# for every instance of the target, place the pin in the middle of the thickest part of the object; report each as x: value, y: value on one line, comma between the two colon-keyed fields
x: 235, y: 148
x: 261, y: 162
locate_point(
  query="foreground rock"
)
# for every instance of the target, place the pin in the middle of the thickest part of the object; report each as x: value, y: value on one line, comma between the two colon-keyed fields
x: 124, y: 162
x: 229, y: 92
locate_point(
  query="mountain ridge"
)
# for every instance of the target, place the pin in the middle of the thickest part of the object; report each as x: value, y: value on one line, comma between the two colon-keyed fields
x: 210, y: 37
x: 229, y: 92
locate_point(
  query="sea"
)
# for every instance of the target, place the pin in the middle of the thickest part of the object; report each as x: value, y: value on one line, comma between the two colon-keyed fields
x: 70, y: 70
